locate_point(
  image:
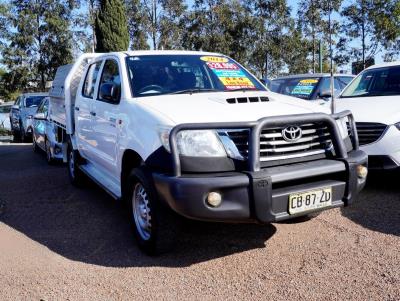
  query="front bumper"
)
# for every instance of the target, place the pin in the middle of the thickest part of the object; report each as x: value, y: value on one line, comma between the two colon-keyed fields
x: 385, y: 153
x: 261, y: 196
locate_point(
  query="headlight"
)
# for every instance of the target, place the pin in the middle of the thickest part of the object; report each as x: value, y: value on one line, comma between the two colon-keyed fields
x: 195, y: 143
x: 397, y: 125
x: 342, y: 124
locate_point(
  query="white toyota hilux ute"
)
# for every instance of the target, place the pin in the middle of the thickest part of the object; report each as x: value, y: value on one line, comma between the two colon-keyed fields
x: 195, y: 134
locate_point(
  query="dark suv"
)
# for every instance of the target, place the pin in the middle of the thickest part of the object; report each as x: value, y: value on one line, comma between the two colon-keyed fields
x: 310, y: 86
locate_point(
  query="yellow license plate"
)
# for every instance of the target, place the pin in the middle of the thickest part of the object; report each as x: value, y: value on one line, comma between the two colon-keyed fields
x: 310, y: 200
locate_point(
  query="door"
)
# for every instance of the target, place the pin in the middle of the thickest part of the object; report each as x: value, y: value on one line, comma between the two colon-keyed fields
x: 83, y: 107
x: 39, y: 125
x: 105, y: 120
x: 14, y: 114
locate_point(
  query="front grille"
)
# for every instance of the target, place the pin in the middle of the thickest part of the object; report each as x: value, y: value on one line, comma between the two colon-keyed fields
x: 369, y: 132
x: 315, y: 140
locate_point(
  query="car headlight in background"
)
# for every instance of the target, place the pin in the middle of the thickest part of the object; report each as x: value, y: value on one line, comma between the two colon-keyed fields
x: 195, y: 143
x: 342, y: 124
x: 397, y: 125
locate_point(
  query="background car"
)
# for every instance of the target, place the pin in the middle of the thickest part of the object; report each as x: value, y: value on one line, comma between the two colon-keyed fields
x: 21, y: 116
x: 44, y: 134
x: 313, y: 87
x: 374, y: 99
x: 5, y: 109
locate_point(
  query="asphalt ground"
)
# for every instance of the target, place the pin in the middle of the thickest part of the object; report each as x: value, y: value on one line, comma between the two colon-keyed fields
x: 58, y: 242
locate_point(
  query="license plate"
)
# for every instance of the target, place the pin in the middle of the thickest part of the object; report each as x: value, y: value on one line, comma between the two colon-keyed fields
x: 310, y: 200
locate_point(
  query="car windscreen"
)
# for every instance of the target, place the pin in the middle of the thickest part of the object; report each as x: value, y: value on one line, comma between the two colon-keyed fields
x: 5, y: 109
x: 298, y: 87
x: 375, y: 82
x: 33, y: 101
x: 152, y: 75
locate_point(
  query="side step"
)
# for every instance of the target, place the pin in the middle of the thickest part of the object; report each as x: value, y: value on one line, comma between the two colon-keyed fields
x: 102, y: 180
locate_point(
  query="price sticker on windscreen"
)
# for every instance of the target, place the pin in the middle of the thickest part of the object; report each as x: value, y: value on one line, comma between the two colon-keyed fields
x: 215, y: 59
x: 230, y: 75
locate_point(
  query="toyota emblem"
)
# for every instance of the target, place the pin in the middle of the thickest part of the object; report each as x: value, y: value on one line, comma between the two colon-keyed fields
x: 292, y: 133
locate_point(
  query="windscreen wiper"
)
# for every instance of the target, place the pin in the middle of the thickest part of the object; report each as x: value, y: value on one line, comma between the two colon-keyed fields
x: 191, y: 91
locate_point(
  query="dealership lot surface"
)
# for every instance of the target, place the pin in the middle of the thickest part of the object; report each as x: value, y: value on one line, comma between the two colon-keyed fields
x: 59, y: 242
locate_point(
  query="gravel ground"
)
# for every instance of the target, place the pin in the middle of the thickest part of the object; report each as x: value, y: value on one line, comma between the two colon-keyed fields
x: 58, y: 242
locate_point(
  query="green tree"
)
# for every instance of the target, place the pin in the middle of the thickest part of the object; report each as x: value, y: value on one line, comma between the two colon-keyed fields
x: 220, y: 26
x: 313, y: 17
x: 159, y: 21
x: 375, y: 25
x: 37, y: 41
x: 272, y: 19
x: 137, y: 25
x: 111, y: 27
x: 297, y: 49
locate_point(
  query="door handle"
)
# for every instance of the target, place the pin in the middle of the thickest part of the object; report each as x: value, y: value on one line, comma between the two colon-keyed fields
x: 76, y: 108
x: 93, y: 113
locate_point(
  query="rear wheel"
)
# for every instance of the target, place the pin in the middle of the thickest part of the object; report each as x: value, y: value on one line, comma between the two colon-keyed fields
x: 76, y: 176
x: 22, y: 134
x: 49, y: 156
x: 155, y: 226
x: 34, y: 145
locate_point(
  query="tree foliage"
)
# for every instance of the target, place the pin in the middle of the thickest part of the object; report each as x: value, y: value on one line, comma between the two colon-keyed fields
x: 36, y: 42
x: 159, y: 21
x: 111, y: 27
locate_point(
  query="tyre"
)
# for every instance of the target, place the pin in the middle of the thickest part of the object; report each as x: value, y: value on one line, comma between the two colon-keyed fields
x: 76, y: 176
x: 34, y: 145
x: 154, y: 225
x: 22, y: 135
x: 16, y: 135
x: 49, y: 156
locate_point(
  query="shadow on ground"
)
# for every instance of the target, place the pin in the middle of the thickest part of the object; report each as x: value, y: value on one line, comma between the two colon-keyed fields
x: 378, y: 206
x: 87, y: 225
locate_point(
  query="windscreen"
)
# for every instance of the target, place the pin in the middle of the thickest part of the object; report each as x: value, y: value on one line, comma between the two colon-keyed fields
x: 33, y: 101
x: 375, y: 82
x: 152, y: 75
x: 297, y: 87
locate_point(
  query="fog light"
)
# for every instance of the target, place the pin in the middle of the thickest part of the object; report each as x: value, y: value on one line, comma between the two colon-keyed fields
x: 214, y: 199
x: 362, y: 171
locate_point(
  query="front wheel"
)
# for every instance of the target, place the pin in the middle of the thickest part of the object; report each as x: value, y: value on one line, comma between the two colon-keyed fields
x: 76, y: 176
x: 155, y: 226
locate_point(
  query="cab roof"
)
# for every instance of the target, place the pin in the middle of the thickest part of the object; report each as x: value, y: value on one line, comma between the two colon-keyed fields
x: 388, y: 64
x: 162, y: 52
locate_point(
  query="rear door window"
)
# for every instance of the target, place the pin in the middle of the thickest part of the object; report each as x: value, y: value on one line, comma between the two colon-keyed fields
x: 90, y: 80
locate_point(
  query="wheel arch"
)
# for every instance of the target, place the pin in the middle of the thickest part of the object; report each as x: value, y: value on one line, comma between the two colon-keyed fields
x: 130, y: 160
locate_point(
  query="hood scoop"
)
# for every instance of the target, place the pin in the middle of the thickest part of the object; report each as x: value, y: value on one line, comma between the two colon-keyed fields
x: 247, y: 99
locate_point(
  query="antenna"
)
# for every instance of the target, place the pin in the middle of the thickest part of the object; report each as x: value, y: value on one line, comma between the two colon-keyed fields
x: 331, y: 60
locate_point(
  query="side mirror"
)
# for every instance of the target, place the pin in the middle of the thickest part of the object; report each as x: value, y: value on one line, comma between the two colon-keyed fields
x: 263, y: 81
x: 40, y: 116
x: 110, y: 92
x: 15, y: 107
